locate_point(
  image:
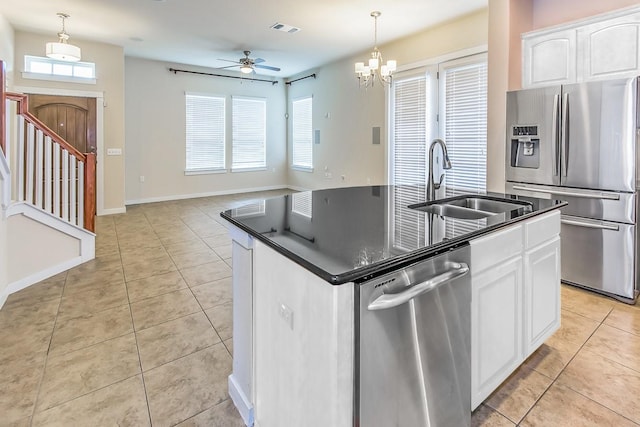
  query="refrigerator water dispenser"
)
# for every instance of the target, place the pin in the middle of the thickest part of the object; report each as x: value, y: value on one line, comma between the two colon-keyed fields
x: 525, y: 147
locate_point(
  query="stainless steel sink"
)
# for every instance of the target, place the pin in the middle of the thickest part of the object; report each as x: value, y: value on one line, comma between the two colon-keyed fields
x: 474, y: 207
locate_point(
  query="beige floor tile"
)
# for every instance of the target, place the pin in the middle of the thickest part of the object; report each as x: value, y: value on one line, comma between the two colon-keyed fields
x: 45, y: 290
x: 221, y: 317
x: 206, y: 273
x: 174, y: 339
x: 604, y: 381
x: 614, y: 344
x: 229, y: 344
x: 222, y: 415
x: 26, y: 315
x: 122, y: 404
x: 561, y: 406
x: 103, y: 263
x: 79, y: 332
x: 185, y: 387
x: 485, y: 416
x: 19, y: 387
x: 585, y: 303
x: 182, y: 247
x: 214, y: 293
x: 518, y: 393
x: 139, y: 243
x: 24, y: 422
x: 223, y: 251
x: 155, y: 285
x: 132, y: 256
x: 165, y: 307
x: 82, y: 371
x: 208, y: 228
x: 221, y: 239
x: 93, y: 301
x: 625, y: 317
x: 81, y: 282
x: 194, y: 258
x: 147, y: 268
x: 558, y: 350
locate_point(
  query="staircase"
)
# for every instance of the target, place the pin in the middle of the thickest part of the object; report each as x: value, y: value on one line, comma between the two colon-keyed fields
x: 47, y: 198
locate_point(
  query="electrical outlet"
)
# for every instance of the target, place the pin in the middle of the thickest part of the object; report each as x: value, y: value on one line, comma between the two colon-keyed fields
x: 141, y: 178
x: 343, y: 177
x: 328, y: 175
x: 286, y: 314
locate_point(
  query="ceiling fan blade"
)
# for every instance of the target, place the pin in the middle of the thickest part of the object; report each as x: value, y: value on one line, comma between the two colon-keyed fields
x: 228, y: 60
x: 228, y: 66
x: 266, y: 67
x: 258, y: 60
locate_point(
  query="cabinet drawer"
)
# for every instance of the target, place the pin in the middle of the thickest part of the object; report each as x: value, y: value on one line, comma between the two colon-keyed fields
x: 495, y: 248
x: 541, y: 229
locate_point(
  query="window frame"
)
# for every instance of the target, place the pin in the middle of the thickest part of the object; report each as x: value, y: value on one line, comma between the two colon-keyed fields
x: 304, y: 167
x: 28, y: 72
x: 263, y: 166
x: 211, y: 169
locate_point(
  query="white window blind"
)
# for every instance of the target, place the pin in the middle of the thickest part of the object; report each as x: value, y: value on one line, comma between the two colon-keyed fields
x: 302, y: 204
x: 302, y: 133
x: 249, y: 133
x: 205, y: 136
x: 465, y: 126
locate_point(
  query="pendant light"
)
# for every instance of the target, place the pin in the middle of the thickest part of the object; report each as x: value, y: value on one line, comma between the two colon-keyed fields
x: 62, y: 50
x: 368, y: 72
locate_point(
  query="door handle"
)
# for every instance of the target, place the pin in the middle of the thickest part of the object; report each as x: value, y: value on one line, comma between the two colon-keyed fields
x: 384, y: 301
x: 557, y: 192
x: 565, y: 134
x: 585, y: 224
x: 556, y: 135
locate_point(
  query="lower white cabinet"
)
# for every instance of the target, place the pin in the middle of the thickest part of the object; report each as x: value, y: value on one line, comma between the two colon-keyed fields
x: 515, y: 299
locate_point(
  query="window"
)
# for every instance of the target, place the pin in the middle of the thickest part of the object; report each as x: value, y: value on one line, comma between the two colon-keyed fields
x: 302, y: 132
x: 302, y: 204
x: 205, y: 136
x: 36, y: 67
x: 464, y: 119
x: 249, y: 133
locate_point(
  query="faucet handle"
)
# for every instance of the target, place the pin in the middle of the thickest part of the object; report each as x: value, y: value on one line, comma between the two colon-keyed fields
x: 439, y: 183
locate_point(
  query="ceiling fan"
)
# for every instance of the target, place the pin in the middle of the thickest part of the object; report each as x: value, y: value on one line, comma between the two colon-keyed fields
x: 248, y: 65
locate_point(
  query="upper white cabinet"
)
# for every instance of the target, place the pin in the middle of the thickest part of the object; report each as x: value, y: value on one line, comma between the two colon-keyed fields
x: 602, y: 47
x: 550, y: 59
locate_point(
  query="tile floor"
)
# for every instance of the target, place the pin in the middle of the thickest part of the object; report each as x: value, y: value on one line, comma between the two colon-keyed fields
x: 142, y: 335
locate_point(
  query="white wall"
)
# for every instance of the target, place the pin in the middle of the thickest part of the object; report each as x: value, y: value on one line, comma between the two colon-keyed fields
x: 109, y: 61
x: 155, y: 132
x: 6, y: 48
x: 345, y: 114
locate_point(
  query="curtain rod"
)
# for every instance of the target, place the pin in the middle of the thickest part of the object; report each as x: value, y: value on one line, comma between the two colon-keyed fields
x: 301, y: 78
x: 176, y: 71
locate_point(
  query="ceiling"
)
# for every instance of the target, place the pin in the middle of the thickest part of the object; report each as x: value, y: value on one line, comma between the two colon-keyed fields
x: 199, y: 32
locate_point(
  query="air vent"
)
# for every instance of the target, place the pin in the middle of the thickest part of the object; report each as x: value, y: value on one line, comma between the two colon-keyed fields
x: 285, y: 28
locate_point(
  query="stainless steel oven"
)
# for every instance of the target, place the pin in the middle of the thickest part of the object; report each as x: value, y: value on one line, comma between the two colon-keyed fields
x: 413, y: 346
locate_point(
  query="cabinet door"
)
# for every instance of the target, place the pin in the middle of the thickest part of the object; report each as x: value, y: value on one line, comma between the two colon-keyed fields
x: 549, y: 59
x: 542, y: 294
x: 496, y: 327
x: 609, y: 49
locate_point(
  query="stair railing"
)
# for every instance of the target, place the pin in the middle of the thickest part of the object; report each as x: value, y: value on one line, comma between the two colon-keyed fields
x: 49, y: 172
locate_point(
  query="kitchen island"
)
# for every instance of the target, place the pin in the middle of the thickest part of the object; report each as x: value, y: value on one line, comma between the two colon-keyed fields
x: 298, y: 264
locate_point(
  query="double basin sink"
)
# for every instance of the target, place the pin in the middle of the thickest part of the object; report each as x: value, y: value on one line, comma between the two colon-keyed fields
x: 475, y: 207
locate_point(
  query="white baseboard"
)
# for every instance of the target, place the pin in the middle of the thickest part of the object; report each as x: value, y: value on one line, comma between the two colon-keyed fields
x: 244, y: 406
x: 112, y: 211
x: 25, y: 282
x: 3, y: 297
x: 207, y: 194
x: 296, y: 188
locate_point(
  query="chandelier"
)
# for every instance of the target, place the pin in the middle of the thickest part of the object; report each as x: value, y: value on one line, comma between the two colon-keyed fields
x: 375, y: 69
x: 61, y: 49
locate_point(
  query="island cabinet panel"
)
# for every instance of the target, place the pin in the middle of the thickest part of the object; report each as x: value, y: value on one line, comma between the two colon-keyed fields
x: 515, y: 303
x: 542, y: 293
x: 303, y: 345
x: 496, y: 325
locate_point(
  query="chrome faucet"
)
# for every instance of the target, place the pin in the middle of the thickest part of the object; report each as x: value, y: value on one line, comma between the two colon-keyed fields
x: 432, y: 186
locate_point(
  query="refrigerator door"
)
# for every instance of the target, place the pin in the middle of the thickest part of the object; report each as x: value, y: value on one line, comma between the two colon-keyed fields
x: 598, y: 135
x: 533, y: 136
x: 599, y: 255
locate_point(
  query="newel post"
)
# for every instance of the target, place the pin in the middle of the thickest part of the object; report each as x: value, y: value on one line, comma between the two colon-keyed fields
x: 90, y: 192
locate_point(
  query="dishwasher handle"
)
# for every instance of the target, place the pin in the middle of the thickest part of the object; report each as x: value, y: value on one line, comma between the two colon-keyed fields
x: 384, y: 301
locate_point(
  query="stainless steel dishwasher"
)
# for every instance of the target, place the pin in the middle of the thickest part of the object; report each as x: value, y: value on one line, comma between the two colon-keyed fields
x: 413, y: 347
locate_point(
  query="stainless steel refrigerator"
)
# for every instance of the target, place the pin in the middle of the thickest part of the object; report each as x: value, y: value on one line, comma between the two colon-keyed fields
x: 579, y: 143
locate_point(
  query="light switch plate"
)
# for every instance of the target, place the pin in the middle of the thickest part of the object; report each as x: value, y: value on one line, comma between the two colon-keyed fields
x: 114, y: 151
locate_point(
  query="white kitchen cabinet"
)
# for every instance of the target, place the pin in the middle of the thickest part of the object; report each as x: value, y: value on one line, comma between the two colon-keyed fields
x: 601, y: 47
x: 609, y: 49
x: 542, y: 294
x: 515, y: 299
x: 549, y: 59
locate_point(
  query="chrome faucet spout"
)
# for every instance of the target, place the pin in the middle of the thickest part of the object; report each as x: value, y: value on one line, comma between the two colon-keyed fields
x: 432, y: 186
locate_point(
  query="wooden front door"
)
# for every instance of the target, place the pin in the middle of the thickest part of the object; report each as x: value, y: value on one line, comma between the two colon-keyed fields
x: 73, y: 118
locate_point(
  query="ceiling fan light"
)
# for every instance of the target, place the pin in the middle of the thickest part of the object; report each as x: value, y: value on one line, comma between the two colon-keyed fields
x: 63, y: 51
x: 246, y: 69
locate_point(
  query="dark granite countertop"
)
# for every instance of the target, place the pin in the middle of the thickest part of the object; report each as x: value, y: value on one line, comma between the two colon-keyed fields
x: 356, y: 233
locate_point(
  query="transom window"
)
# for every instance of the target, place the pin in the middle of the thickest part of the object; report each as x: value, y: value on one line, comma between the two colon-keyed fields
x: 37, y: 67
